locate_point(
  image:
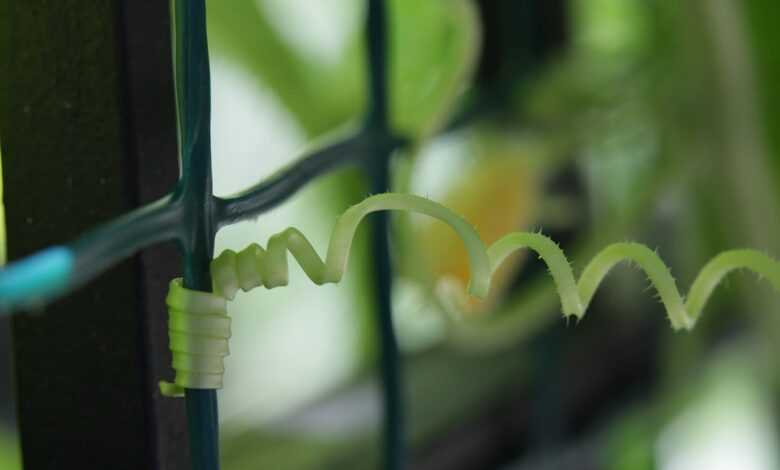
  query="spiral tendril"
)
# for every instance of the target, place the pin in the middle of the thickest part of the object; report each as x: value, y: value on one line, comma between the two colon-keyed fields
x: 198, y: 351
x: 683, y: 314
x: 197, y: 360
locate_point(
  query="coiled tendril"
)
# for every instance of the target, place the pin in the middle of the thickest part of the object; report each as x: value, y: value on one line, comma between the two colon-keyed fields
x: 199, y: 326
x: 198, y: 353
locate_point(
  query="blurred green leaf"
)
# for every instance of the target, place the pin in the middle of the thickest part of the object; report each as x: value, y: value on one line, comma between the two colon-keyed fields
x: 317, y: 95
x: 630, y: 443
x: 435, y: 45
x: 10, y: 454
x: 762, y: 20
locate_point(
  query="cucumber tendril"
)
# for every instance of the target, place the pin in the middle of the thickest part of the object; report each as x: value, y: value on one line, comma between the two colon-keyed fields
x: 200, y: 327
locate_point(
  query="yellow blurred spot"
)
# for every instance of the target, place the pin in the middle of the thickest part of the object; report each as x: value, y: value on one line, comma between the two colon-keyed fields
x: 498, y: 196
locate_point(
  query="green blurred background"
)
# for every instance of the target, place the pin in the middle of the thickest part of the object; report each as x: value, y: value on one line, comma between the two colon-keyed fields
x: 593, y: 120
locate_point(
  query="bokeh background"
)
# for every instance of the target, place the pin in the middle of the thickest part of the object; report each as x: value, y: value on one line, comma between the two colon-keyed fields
x: 594, y: 121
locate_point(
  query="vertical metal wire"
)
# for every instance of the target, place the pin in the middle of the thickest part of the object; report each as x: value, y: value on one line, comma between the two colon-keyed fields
x: 376, y: 36
x: 394, y: 452
x: 377, y: 122
x: 195, y: 191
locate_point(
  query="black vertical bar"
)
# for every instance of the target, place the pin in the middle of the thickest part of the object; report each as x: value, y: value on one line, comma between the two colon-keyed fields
x: 76, y: 153
x: 152, y: 140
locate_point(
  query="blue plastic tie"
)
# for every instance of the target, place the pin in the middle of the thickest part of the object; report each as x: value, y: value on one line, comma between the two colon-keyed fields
x: 39, y: 276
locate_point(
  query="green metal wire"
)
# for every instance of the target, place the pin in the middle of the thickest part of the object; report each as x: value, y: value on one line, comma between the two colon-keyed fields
x: 394, y: 453
x: 195, y: 192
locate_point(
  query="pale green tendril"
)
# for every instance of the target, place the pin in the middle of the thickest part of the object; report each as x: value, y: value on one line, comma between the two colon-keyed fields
x: 198, y: 354
x: 198, y: 349
x: 575, y: 297
x: 198, y: 334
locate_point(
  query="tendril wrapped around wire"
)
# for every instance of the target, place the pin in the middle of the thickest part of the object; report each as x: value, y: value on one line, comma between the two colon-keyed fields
x: 198, y: 354
x: 198, y: 350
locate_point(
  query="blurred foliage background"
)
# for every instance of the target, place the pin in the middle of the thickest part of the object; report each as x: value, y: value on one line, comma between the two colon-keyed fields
x: 593, y: 120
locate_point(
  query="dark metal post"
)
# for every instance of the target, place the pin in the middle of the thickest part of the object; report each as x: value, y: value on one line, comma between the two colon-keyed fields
x: 88, y: 131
